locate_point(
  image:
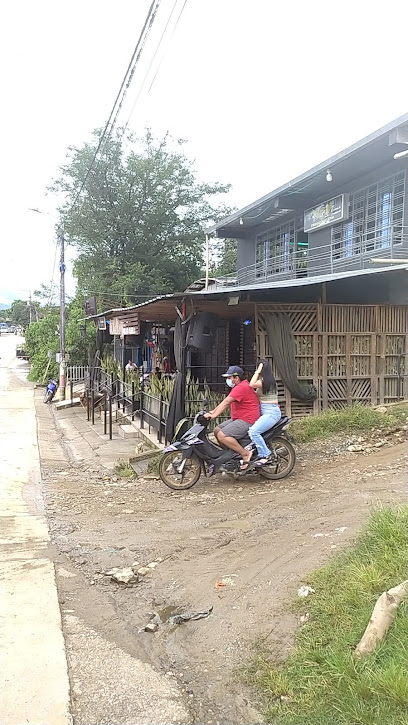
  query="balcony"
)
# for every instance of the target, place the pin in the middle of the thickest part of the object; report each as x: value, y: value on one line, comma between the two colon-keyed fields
x: 348, y: 254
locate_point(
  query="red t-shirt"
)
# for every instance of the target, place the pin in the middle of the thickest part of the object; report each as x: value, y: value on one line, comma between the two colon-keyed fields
x: 246, y: 403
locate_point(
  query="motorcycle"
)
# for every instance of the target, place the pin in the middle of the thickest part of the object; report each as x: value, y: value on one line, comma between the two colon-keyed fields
x: 50, y: 391
x: 192, y: 453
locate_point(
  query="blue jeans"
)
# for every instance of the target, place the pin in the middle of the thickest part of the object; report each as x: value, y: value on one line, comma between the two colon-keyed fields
x: 270, y: 414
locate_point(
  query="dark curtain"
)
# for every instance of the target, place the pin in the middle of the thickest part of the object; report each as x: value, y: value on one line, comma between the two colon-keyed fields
x: 176, y: 409
x: 282, y: 345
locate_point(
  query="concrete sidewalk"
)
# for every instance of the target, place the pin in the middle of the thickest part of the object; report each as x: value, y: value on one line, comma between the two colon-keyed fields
x: 34, y: 677
x: 87, y: 443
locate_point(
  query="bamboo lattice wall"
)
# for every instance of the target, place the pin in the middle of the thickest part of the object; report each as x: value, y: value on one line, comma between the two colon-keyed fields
x: 351, y: 353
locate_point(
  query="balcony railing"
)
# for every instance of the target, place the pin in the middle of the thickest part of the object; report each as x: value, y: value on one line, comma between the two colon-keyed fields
x: 348, y: 254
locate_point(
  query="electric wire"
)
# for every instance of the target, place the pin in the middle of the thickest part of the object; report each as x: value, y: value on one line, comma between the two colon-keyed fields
x: 124, y: 85
x: 150, y: 65
x: 171, y: 36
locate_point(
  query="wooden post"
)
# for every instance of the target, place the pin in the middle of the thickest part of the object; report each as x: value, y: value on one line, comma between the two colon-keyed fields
x: 373, y: 365
x: 349, y: 393
x: 382, y: 368
x: 110, y: 416
x: 93, y: 405
x: 105, y: 420
x: 325, y: 401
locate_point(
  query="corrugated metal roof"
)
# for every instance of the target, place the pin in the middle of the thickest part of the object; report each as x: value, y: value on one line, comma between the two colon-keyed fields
x: 303, y: 281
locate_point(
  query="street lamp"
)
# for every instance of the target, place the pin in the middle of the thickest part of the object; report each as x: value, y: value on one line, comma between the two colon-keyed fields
x: 61, y: 242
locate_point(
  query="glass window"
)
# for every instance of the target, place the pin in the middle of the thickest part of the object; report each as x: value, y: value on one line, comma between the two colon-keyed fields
x: 375, y: 219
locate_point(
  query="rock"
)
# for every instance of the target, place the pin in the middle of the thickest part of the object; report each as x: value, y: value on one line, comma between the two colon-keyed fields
x: 381, y: 409
x: 114, y: 478
x: 379, y: 444
x: 151, y: 627
x: 355, y: 448
x: 304, y: 618
x: 304, y: 591
x: 123, y: 576
x: 152, y: 565
x: 144, y: 570
x: 135, y: 564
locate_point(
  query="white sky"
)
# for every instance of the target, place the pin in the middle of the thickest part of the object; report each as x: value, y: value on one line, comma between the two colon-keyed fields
x: 261, y: 90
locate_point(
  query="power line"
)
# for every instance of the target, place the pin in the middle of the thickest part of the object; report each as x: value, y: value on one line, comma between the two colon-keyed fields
x: 124, y: 85
x: 151, y: 21
x: 171, y: 36
x: 151, y: 64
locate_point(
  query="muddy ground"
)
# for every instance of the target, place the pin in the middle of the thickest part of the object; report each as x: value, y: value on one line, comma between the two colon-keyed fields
x: 258, y: 538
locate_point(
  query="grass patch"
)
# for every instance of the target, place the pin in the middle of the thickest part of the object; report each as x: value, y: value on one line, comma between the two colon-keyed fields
x: 348, y: 420
x: 124, y: 469
x: 320, y: 682
x: 153, y: 465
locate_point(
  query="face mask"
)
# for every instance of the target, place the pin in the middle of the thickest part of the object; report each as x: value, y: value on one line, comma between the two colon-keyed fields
x: 230, y: 383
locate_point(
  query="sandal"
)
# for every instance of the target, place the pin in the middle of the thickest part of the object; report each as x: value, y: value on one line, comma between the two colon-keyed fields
x: 245, y: 464
x: 264, y: 461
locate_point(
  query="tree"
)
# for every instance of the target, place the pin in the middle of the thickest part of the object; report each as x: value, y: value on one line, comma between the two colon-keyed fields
x: 19, y: 312
x: 224, y: 258
x: 40, y: 338
x: 138, y: 226
x: 80, y: 345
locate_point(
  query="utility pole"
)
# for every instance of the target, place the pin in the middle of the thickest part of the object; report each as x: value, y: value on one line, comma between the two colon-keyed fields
x: 29, y: 308
x: 61, y: 242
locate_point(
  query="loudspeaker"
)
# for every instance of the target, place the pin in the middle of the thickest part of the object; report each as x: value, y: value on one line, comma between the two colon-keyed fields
x: 201, y: 331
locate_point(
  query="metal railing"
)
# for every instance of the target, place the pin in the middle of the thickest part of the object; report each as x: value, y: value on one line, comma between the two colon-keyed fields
x: 76, y: 373
x: 344, y: 254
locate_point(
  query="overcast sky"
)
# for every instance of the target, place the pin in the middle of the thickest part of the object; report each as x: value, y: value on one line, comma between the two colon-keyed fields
x: 261, y: 90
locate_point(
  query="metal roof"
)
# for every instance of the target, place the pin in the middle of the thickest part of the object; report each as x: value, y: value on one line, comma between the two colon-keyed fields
x: 163, y: 307
x: 303, y: 191
x: 304, y: 281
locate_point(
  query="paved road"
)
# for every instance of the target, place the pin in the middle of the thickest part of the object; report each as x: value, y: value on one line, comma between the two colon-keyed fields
x: 34, y: 679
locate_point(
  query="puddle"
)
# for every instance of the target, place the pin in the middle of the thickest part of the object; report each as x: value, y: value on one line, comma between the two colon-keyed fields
x: 166, y: 612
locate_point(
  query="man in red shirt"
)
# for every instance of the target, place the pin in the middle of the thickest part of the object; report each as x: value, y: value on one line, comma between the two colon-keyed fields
x: 245, y: 410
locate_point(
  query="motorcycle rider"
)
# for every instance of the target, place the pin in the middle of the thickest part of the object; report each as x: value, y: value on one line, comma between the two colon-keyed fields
x: 245, y: 410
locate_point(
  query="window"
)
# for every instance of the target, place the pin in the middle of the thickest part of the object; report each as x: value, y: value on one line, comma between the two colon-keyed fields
x: 274, y: 250
x: 375, y: 219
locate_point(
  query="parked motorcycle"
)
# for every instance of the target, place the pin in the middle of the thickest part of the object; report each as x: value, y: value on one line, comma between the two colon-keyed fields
x: 50, y: 391
x: 192, y: 453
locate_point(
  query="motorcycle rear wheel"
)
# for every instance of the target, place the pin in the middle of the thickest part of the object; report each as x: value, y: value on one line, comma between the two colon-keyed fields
x: 285, y: 460
x: 179, y: 481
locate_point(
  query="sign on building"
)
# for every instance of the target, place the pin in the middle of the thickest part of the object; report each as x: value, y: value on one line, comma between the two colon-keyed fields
x: 330, y: 212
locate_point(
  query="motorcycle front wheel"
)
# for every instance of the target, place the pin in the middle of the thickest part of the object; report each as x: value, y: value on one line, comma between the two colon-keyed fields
x: 47, y: 396
x: 169, y: 471
x: 285, y: 459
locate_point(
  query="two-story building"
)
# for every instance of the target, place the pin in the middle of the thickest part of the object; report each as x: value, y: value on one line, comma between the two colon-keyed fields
x: 321, y: 252
x: 307, y: 294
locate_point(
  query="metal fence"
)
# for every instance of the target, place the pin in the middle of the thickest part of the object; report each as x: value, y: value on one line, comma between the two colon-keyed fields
x: 76, y: 373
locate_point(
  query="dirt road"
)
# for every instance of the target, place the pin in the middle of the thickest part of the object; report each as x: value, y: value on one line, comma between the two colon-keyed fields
x: 257, y: 540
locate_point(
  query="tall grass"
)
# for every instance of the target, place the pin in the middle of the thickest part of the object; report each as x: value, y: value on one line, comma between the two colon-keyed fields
x: 321, y: 683
x: 348, y: 420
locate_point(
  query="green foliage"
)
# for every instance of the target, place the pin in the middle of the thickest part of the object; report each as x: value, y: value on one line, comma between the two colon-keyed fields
x: 43, y: 336
x: 40, y: 337
x: 348, y: 420
x: 124, y: 469
x: 80, y: 349
x: 224, y: 258
x: 19, y: 312
x: 139, y: 226
x: 321, y: 682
